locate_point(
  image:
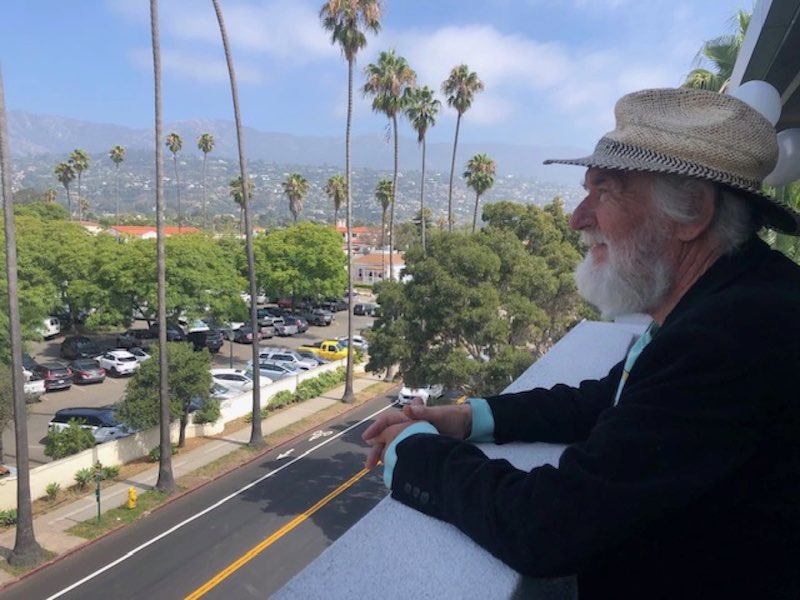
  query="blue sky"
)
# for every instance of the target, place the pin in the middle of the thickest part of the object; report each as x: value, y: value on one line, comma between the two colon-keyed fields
x: 552, y: 68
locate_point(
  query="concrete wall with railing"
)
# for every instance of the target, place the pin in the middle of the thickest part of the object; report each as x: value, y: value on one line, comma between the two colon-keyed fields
x: 130, y: 448
x: 397, y: 552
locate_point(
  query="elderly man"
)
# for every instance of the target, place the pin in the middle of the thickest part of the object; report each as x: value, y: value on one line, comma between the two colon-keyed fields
x: 682, y: 474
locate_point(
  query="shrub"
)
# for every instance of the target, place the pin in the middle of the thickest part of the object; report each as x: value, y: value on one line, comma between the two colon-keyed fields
x: 110, y: 472
x: 281, y: 399
x: 209, y: 412
x: 155, y: 454
x: 70, y: 440
x: 52, y: 490
x: 8, y: 517
x: 84, y: 476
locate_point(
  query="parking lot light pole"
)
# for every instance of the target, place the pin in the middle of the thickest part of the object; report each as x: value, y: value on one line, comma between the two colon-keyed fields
x: 230, y: 362
x: 97, y: 476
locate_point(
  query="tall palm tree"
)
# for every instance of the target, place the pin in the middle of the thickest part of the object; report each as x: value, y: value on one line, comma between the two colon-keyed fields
x: 175, y: 143
x: 50, y: 196
x: 347, y: 20
x: 721, y: 52
x: 256, y: 435
x: 336, y: 189
x: 421, y: 110
x: 237, y: 193
x: 80, y: 163
x: 480, y: 177
x: 117, y: 155
x: 460, y: 88
x: 166, y: 479
x: 387, y: 82
x: 66, y: 175
x: 295, y: 187
x: 26, y: 550
x: 383, y: 193
x: 205, y: 143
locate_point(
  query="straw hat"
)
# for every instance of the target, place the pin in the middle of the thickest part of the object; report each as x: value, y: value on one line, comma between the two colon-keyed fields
x: 698, y: 134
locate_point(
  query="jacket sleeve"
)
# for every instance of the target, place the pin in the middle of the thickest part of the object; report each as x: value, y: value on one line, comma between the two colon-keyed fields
x: 688, y: 418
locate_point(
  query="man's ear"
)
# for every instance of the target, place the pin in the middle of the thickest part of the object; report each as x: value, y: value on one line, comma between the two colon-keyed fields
x: 704, y: 197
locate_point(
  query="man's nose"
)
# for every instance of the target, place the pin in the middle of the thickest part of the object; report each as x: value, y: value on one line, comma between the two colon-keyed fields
x: 583, y: 216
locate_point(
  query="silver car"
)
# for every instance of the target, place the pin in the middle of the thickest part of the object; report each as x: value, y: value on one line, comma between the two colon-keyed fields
x: 274, y: 370
x: 289, y: 358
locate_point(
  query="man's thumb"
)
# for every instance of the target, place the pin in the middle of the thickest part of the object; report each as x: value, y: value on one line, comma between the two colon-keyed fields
x: 414, y: 411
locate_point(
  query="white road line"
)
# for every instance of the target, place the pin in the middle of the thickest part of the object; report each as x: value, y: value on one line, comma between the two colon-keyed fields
x: 208, y: 509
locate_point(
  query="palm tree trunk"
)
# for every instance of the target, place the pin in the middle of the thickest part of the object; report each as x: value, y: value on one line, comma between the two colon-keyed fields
x: 26, y: 549
x: 166, y: 479
x: 117, y: 186
x: 80, y: 208
x: 349, y: 395
x: 394, y: 197
x: 422, y: 199
x: 177, y: 188
x: 256, y: 435
x: 69, y: 203
x: 475, y: 214
x: 452, y: 173
x: 205, y: 206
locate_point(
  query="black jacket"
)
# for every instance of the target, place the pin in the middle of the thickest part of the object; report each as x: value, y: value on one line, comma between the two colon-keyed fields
x: 690, y: 487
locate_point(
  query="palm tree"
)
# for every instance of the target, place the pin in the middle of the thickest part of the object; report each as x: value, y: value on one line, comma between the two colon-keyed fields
x: 80, y: 163
x: 50, y: 196
x: 256, y: 435
x: 480, y: 177
x: 721, y: 52
x: 166, y: 479
x: 175, y: 143
x: 26, y: 550
x: 388, y: 81
x: 336, y: 188
x: 66, y: 175
x: 383, y: 193
x: 295, y: 187
x: 237, y: 193
x: 460, y: 88
x: 347, y: 20
x: 421, y: 110
x: 117, y: 155
x: 205, y: 143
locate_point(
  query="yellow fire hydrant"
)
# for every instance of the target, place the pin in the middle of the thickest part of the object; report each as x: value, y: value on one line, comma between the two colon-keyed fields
x: 131, y: 498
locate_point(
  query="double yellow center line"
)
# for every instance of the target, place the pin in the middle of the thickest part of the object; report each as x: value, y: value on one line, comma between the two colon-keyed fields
x: 260, y: 547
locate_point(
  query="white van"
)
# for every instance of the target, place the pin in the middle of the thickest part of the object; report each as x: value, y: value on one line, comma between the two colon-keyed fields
x: 51, y: 327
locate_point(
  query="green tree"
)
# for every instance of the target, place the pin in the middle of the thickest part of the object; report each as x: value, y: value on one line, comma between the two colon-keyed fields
x: 117, y: 155
x: 189, y: 381
x: 205, y: 143
x: 347, y: 20
x: 46, y: 211
x: 720, y: 55
x: 460, y: 88
x: 65, y: 174
x: 388, y: 81
x: 175, y: 143
x: 79, y: 159
x: 383, y: 194
x: 26, y: 549
x: 68, y: 441
x: 295, y: 187
x: 305, y: 261
x: 336, y: 189
x: 421, y: 110
x: 236, y: 190
x: 480, y: 178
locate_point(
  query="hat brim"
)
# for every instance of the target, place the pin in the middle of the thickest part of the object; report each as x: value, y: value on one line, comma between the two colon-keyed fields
x: 774, y: 214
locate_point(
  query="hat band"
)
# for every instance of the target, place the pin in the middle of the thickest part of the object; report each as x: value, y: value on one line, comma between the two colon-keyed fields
x: 630, y: 157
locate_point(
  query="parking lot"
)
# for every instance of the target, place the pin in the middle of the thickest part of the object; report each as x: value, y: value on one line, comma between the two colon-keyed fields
x: 112, y: 389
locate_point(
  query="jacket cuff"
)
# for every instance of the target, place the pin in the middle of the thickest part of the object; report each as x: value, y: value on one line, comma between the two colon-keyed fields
x: 482, y: 421
x: 390, y: 456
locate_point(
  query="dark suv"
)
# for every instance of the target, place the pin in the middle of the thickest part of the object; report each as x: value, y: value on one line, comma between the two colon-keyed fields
x: 211, y: 339
x: 136, y: 337
x: 56, y: 376
x: 175, y: 333
x: 79, y: 346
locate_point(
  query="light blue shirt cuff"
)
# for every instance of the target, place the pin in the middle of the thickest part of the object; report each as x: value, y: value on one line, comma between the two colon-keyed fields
x: 390, y: 456
x: 482, y: 421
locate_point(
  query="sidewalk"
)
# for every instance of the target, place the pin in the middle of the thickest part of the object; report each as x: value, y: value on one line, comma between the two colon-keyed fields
x: 50, y: 529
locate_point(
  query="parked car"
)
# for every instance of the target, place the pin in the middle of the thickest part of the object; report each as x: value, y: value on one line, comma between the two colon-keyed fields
x: 366, y: 309
x: 140, y: 353
x: 282, y: 328
x: 302, y: 324
x: 56, y: 376
x: 235, y: 379
x: 119, y: 362
x: 79, y: 346
x: 244, y: 335
x: 426, y: 393
x: 226, y: 328
x: 28, y: 365
x: 210, y: 338
x: 87, y: 370
x: 275, y: 371
x: 217, y: 392
x: 102, y: 422
x: 333, y: 304
x: 313, y: 356
x: 287, y: 357
x: 50, y: 328
x: 359, y: 343
x: 33, y: 388
x: 136, y: 337
x: 175, y: 332
x: 312, y: 317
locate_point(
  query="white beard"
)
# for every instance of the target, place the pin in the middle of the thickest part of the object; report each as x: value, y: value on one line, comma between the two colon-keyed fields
x: 636, y: 276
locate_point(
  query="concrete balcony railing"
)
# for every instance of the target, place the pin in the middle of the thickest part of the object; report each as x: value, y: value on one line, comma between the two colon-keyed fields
x: 396, y: 552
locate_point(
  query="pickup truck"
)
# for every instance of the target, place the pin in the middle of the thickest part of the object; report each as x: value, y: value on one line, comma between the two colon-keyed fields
x: 34, y: 388
x: 328, y: 349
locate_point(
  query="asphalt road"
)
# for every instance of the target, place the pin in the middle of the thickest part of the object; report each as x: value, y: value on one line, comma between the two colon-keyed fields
x: 242, y: 536
x: 112, y: 389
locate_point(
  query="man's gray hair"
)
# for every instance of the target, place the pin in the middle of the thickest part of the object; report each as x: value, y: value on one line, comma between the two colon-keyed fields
x: 734, y: 222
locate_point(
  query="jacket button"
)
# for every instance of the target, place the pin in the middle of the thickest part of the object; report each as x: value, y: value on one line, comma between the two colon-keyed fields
x: 407, y: 488
x: 415, y: 493
x: 424, y: 497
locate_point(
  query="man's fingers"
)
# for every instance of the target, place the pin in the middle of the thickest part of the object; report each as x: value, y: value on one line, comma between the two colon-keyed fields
x: 381, y: 423
x: 375, y: 455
